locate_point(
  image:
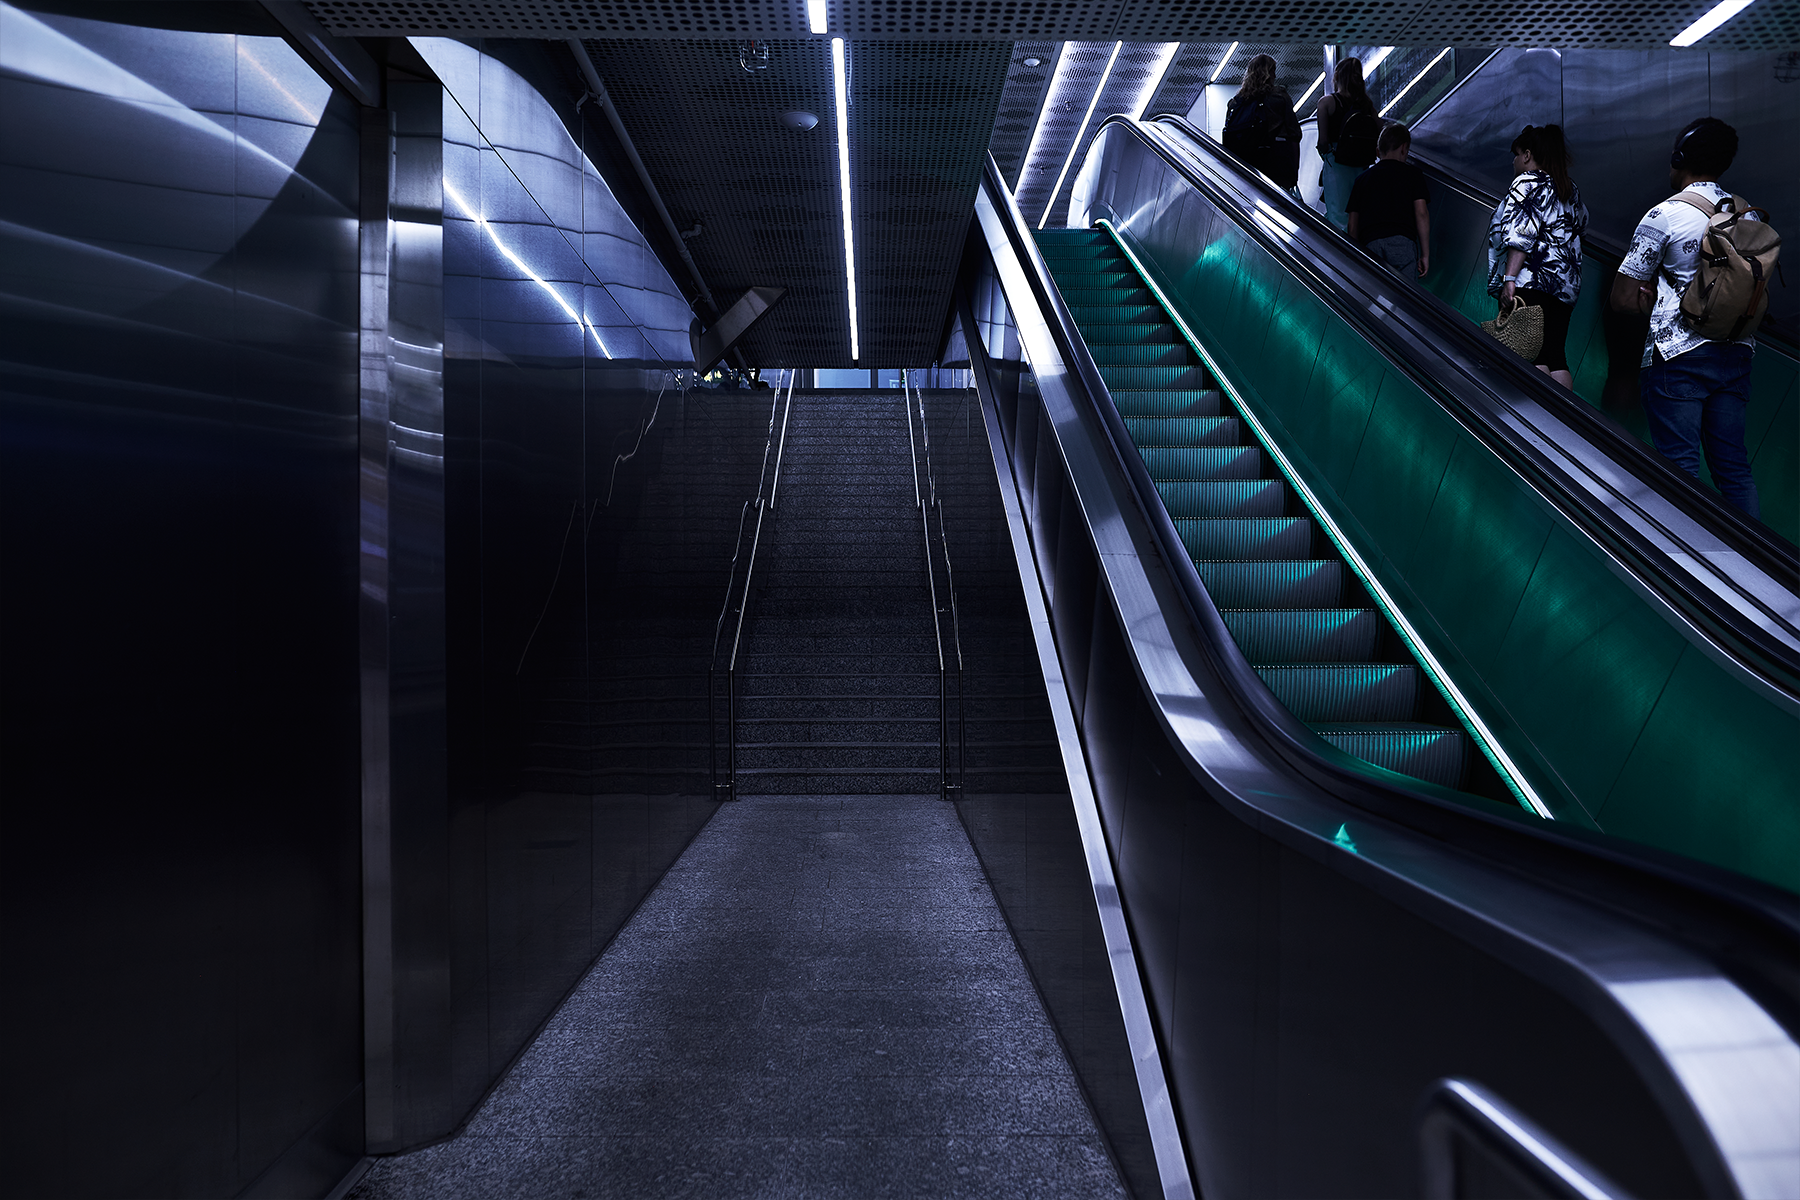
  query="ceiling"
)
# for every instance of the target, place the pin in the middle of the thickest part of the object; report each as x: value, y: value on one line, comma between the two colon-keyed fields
x: 933, y: 86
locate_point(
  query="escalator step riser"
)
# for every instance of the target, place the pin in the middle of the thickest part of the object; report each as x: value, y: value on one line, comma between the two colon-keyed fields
x: 1224, y: 498
x: 1437, y: 756
x: 1098, y: 275
x: 1184, y: 431
x: 1128, y: 314
x: 1128, y: 333
x: 1305, y: 583
x: 1203, y: 462
x: 1285, y: 538
x: 1378, y: 692
x: 1098, y: 297
x: 1172, y: 403
x: 1140, y: 379
x: 1330, y: 635
x: 1158, y: 354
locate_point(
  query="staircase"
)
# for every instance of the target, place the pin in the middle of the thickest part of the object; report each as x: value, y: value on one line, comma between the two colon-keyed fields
x: 838, y: 680
x: 1295, y: 609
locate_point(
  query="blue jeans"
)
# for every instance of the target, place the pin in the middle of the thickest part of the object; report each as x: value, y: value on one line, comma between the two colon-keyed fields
x: 1697, y: 400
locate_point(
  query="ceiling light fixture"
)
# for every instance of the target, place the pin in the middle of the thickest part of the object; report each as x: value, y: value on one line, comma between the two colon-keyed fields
x: 843, y: 130
x: 1309, y: 91
x: 1415, y: 79
x: 1715, y: 16
x: 1037, y: 131
x: 1034, y: 62
x: 1220, y: 69
x: 1155, y: 80
x: 1080, y: 132
x: 815, y: 15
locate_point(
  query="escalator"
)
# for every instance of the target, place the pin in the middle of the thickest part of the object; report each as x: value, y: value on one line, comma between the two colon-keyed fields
x: 1348, y: 634
x: 1289, y: 599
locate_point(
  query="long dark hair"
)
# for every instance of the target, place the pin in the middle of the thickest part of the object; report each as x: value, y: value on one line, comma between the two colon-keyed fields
x: 1348, y: 79
x: 1546, y: 145
x: 1259, y: 77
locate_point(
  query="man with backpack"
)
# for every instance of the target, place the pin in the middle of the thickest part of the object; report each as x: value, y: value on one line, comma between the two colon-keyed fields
x: 1699, y: 265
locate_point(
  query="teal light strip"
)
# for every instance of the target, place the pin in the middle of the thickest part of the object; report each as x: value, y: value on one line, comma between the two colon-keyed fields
x: 1465, y: 711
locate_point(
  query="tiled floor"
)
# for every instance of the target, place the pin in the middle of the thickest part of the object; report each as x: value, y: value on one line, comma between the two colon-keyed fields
x: 820, y: 999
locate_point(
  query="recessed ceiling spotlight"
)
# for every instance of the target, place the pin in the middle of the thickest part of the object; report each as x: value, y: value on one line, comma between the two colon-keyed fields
x: 1034, y: 62
x: 797, y: 120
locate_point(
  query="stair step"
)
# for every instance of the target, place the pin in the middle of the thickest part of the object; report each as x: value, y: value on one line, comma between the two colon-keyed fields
x: 1284, y: 538
x: 1118, y: 332
x: 1203, y: 462
x: 1192, y: 402
x: 1185, y: 431
x: 1304, y: 583
x: 1344, y: 692
x: 1429, y: 752
x: 1315, y: 635
x: 1224, y: 498
x: 1129, y: 378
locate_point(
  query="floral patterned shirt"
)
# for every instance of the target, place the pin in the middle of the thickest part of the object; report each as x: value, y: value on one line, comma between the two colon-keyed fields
x: 1666, y: 247
x: 1531, y: 217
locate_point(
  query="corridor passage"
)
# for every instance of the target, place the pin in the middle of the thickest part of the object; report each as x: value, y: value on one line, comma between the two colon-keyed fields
x: 820, y: 999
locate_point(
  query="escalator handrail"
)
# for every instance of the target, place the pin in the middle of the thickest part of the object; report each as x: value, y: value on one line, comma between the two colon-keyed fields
x: 1775, y: 663
x: 1692, y: 899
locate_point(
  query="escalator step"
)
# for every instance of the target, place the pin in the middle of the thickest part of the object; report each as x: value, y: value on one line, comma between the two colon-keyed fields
x: 1341, y: 692
x: 1189, y: 403
x: 1303, y: 583
x: 1089, y: 296
x: 1203, y: 462
x: 1284, y: 538
x: 1184, y: 431
x: 1133, y: 333
x: 1098, y: 275
x: 1088, y: 315
x: 1429, y: 752
x: 1224, y: 498
x: 1154, y: 354
x: 1135, y: 379
x: 1313, y: 635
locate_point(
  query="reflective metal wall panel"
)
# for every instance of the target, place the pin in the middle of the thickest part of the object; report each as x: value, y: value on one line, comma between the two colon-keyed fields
x: 178, y: 492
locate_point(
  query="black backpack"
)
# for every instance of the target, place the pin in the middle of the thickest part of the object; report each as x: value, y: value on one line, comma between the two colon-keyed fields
x: 1266, y: 134
x: 1356, y: 140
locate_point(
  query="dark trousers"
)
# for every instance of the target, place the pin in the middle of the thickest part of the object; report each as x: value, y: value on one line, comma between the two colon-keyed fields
x: 1696, y: 401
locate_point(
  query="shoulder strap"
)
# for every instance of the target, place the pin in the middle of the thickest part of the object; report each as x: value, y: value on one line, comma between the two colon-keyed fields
x: 1695, y: 200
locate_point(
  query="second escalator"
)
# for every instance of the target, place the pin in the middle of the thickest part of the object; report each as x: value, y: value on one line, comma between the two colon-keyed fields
x: 1294, y: 607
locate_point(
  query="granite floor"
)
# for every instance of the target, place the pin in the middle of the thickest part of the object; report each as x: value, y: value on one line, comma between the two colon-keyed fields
x: 821, y: 998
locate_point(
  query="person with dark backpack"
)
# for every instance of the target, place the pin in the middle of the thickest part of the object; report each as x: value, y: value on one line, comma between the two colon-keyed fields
x: 1348, y: 128
x: 1698, y: 265
x: 1260, y: 126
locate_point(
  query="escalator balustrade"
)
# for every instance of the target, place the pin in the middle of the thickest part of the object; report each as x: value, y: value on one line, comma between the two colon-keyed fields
x: 1296, y: 610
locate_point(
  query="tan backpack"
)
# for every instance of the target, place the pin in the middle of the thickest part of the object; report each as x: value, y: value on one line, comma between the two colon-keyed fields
x: 1729, y: 293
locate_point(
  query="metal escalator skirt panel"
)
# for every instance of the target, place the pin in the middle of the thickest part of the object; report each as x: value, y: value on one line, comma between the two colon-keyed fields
x: 1223, y: 498
x: 1203, y: 462
x: 1426, y: 752
x: 1247, y: 537
x: 1184, y: 431
x: 1345, y: 692
x: 1317, y: 635
x: 1311, y: 583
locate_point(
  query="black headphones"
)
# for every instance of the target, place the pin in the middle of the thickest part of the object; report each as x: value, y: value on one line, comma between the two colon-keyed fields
x: 1678, y: 159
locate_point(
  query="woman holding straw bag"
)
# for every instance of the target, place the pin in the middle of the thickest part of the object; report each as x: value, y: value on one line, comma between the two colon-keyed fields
x: 1534, y: 242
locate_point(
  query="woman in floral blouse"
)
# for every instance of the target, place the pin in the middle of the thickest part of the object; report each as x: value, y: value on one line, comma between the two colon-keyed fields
x: 1534, y: 242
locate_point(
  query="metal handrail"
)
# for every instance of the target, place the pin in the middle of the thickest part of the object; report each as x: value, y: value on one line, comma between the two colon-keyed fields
x: 950, y: 783
x: 726, y: 789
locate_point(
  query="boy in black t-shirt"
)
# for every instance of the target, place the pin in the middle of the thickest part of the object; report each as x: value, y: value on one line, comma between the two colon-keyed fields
x: 1389, y: 206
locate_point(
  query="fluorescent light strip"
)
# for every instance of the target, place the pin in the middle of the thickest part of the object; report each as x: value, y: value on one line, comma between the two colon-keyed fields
x: 1375, y: 60
x: 1220, y: 69
x: 1156, y: 80
x: 515, y: 260
x: 1715, y: 16
x: 1415, y: 79
x: 1076, y: 144
x: 1310, y: 90
x: 843, y: 128
x: 1484, y: 737
x: 1037, y: 132
x: 815, y: 15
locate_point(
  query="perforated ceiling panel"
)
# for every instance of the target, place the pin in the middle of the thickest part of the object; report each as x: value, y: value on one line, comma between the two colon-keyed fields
x: 1019, y: 104
x: 1620, y: 24
x: 766, y: 197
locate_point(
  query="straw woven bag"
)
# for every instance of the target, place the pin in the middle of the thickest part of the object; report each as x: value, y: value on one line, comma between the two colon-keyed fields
x: 1520, y: 329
